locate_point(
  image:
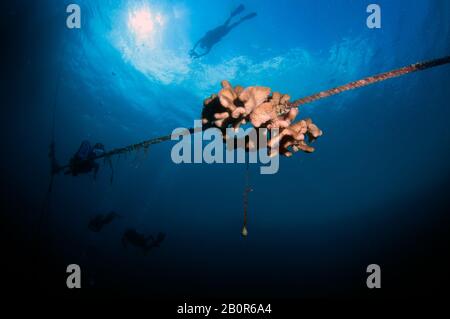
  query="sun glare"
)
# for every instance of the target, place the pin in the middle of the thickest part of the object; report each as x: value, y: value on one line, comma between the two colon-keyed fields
x: 143, y: 23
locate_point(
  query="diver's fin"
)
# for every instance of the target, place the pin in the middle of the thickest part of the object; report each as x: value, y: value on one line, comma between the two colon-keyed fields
x: 237, y: 10
x: 249, y: 16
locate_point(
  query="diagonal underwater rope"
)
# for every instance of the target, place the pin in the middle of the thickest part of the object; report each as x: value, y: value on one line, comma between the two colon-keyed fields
x: 295, y: 104
x: 130, y: 148
x: 369, y: 80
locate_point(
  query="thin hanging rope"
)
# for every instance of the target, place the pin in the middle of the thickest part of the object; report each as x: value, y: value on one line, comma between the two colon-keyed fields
x: 52, y: 148
x: 247, y: 190
x: 305, y: 100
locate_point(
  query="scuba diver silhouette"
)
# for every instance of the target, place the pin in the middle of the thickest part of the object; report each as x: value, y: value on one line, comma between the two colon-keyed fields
x: 96, y: 224
x: 131, y: 236
x: 84, y: 159
x: 212, y: 37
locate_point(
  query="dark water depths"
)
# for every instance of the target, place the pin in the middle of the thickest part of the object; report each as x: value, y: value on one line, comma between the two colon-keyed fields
x: 375, y: 190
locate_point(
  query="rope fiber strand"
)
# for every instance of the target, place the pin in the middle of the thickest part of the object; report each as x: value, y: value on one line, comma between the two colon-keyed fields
x: 305, y: 100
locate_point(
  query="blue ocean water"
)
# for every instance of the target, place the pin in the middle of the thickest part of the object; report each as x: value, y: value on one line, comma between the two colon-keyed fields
x: 362, y: 197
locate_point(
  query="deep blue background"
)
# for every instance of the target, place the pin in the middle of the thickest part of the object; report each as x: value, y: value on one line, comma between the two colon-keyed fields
x: 375, y: 190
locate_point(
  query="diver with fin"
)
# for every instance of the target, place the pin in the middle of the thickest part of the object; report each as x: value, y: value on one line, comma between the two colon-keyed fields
x: 212, y: 37
x: 84, y: 159
x: 132, y: 237
x: 99, y: 221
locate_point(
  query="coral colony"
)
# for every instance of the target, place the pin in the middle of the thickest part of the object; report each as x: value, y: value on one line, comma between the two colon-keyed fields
x: 235, y: 106
x: 272, y: 130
